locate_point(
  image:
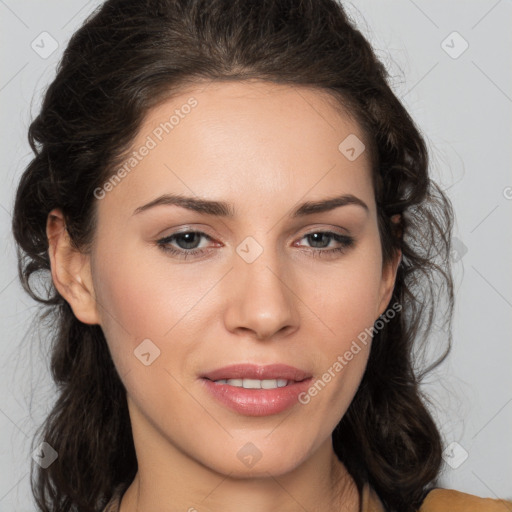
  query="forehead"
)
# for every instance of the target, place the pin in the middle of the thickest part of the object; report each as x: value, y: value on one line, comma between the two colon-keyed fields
x: 263, y: 105
x: 248, y: 140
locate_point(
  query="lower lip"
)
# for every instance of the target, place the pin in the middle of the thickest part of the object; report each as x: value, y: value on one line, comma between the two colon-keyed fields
x: 257, y: 402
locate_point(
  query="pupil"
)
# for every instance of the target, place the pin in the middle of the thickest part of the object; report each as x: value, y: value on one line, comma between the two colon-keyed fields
x: 318, y: 237
x: 187, y: 240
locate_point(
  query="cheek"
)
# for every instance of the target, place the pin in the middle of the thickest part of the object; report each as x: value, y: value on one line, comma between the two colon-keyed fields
x: 141, y: 305
x: 347, y: 296
x: 129, y: 305
x: 348, y: 310
x: 142, y: 296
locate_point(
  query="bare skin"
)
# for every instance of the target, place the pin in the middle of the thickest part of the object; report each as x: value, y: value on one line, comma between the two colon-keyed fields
x: 265, y: 149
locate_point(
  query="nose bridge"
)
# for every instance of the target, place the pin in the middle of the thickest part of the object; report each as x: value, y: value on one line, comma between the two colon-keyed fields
x: 262, y: 301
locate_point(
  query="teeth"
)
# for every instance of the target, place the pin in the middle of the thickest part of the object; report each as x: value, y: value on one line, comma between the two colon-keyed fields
x: 254, y: 383
x: 269, y: 384
x: 251, y: 384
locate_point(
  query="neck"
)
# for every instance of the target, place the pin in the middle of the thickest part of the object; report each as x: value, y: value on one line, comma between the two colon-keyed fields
x: 209, y: 493
x: 170, y: 480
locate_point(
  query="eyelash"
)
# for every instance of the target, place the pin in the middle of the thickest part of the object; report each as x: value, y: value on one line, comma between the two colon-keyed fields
x: 345, y: 241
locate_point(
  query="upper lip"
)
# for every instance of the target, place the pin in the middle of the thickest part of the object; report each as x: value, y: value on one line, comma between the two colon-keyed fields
x: 254, y: 371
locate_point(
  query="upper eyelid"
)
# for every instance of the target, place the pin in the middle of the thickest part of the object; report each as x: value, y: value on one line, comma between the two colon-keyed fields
x: 320, y: 226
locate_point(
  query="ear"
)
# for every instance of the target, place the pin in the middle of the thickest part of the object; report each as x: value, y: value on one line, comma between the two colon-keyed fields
x: 389, y: 271
x: 71, y: 272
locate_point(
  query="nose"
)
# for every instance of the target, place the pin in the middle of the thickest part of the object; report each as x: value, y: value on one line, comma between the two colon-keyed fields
x: 261, y: 299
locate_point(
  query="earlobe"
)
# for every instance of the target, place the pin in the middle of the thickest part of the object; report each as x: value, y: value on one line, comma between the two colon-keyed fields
x: 71, y: 273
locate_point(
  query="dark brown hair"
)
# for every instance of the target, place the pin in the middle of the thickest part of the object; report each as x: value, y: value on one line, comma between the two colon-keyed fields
x: 127, y: 56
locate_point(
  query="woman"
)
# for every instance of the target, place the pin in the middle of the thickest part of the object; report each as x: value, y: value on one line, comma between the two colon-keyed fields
x: 238, y: 220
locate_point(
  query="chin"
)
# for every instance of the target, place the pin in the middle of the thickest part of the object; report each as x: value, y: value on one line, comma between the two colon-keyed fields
x: 249, y: 462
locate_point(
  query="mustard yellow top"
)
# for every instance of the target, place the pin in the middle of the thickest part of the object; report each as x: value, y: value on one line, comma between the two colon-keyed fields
x: 437, y: 500
x: 441, y: 500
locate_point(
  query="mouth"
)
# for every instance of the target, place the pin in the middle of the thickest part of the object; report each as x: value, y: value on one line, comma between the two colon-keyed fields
x: 255, y: 383
x: 255, y: 373
x: 254, y: 390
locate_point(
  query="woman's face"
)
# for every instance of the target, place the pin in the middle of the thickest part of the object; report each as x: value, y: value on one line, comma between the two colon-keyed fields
x: 269, y: 280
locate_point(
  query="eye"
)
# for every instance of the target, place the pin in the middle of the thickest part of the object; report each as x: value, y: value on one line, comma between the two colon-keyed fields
x: 320, y: 241
x: 188, y: 243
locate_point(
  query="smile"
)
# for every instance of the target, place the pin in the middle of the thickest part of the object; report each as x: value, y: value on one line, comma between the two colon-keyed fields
x: 254, y: 390
x: 254, y: 383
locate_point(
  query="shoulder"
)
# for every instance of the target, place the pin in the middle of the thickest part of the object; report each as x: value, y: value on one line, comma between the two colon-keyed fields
x: 448, y: 500
x: 440, y: 500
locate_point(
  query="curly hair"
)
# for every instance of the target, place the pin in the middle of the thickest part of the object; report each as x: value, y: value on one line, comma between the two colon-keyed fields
x: 125, y: 58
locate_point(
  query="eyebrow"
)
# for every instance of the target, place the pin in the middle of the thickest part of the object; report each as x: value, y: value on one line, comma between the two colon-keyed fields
x: 223, y: 209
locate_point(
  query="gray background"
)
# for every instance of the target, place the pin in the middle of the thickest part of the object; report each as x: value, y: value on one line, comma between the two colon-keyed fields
x: 462, y: 101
